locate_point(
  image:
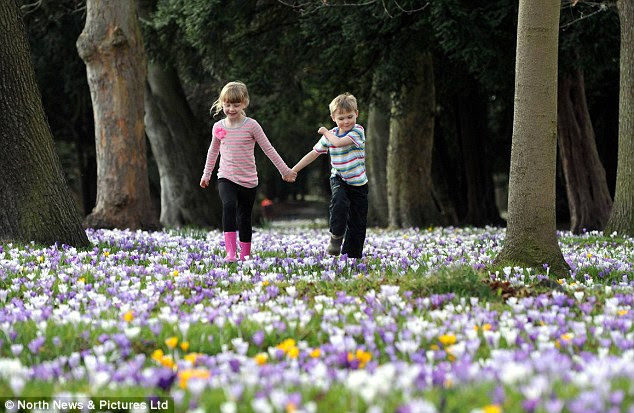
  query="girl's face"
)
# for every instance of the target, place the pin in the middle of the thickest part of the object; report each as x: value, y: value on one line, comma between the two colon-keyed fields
x: 345, y: 120
x: 233, y: 111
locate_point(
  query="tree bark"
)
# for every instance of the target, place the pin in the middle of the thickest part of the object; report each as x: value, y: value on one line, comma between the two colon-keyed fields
x: 35, y: 201
x: 112, y: 49
x: 589, y: 199
x: 471, y: 119
x: 377, y: 138
x: 621, y: 219
x: 531, y: 237
x: 170, y: 127
x: 411, y: 198
x: 177, y: 147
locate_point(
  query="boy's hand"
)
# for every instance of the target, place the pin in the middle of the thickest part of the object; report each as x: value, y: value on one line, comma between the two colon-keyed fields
x: 290, y: 177
x: 204, y: 182
x: 322, y: 130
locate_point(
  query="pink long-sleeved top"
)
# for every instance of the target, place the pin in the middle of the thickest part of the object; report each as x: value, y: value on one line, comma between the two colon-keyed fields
x: 236, y: 149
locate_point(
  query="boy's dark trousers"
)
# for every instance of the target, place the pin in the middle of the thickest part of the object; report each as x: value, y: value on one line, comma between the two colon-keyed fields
x: 349, y: 215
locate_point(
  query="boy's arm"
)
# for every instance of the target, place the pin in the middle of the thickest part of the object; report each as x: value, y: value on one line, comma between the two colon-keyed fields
x: 306, y: 160
x: 334, y: 140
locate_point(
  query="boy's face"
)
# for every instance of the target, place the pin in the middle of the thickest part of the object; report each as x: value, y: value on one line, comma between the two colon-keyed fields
x: 345, y: 120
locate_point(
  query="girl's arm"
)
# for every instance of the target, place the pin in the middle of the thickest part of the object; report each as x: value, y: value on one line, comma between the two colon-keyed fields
x: 210, y: 163
x: 306, y: 160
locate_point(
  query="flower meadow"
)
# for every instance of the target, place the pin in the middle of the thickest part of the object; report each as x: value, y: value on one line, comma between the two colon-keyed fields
x: 422, y: 323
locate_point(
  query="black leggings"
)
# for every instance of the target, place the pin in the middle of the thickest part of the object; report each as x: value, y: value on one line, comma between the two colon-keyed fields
x: 236, y: 198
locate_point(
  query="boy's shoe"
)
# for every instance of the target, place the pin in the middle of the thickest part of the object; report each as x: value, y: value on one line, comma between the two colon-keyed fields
x: 334, y: 247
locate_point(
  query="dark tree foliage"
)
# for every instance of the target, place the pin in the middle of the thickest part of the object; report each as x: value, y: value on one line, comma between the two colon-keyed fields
x: 294, y: 61
x: 295, y: 56
x: 212, y: 43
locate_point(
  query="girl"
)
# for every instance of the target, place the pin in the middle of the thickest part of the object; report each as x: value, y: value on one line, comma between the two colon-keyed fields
x: 234, y: 137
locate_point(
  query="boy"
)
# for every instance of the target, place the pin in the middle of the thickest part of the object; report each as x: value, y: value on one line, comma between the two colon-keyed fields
x: 348, y: 181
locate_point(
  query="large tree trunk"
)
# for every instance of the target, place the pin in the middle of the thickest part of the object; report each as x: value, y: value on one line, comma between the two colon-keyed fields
x: 622, y: 217
x: 35, y: 201
x: 531, y: 237
x: 411, y: 198
x: 178, y: 149
x: 472, y: 130
x: 589, y: 199
x: 112, y: 49
x: 378, y: 134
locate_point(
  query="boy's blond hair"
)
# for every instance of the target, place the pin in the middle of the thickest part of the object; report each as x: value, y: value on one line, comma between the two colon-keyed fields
x: 343, y: 103
x: 232, y: 92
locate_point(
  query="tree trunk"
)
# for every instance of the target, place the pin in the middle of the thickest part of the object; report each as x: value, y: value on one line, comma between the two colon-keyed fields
x: 35, y: 201
x: 378, y: 134
x: 177, y: 147
x: 411, y: 198
x: 531, y: 237
x: 112, y: 49
x: 622, y: 217
x: 471, y: 119
x: 179, y: 153
x: 589, y: 199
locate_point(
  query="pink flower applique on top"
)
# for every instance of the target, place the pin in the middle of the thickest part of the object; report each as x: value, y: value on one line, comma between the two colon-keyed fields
x: 220, y: 132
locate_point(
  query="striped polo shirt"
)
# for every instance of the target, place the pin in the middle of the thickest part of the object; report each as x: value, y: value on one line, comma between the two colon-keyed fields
x: 348, y: 162
x: 236, y: 149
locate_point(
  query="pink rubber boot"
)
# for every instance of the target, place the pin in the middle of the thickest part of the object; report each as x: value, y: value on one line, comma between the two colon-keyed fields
x: 245, y: 250
x: 230, y: 246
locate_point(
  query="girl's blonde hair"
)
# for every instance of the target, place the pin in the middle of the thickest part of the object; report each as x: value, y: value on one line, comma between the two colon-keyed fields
x: 232, y: 92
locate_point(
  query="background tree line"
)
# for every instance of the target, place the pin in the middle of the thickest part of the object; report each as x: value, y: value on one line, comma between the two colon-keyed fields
x: 435, y: 79
x: 433, y: 82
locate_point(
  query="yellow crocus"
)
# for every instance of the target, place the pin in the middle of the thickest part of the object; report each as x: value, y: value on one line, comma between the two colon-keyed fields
x: 286, y: 345
x: 447, y: 339
x: 293, y: 352
x: 364, y: 357
x: 492, y: 408
x: 171, y: 342
x: 191, y: 357
x: 157, y: 355
x: 185, y: 375
x: 167, y: 361
x: 261, y: 358
x: 128, y: 316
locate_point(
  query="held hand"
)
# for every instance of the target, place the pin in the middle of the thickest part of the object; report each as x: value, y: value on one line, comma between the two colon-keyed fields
x: 322, y: 130
x: 290, y: 177
x: 204, y: 182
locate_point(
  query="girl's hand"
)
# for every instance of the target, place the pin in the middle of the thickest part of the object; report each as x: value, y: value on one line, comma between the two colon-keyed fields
x: 322, y: 130
x: 290, y: 177
x: 204, y: 182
